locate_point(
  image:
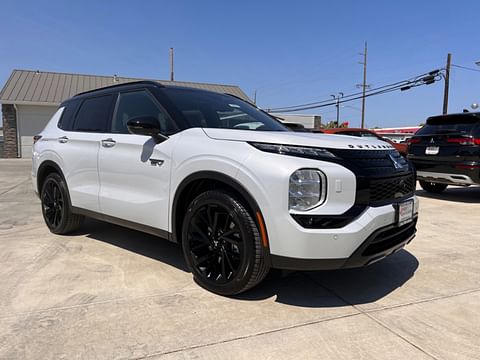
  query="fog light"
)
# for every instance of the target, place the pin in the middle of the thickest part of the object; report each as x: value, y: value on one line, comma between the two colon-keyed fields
x: 307, y: 189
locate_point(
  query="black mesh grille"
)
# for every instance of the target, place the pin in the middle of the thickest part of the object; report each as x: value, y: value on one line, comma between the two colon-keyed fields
x: 383, y: 176
x: 373, y: 162
x: 391, y: 188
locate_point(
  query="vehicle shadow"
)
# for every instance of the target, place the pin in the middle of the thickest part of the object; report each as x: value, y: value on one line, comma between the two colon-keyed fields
x: 135, y: 241
x: 296, y: 288
x: 337, y: 287
x: 470, y: 195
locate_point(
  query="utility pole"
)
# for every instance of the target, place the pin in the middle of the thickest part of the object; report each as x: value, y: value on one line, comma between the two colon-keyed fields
x: 171, y: 65
x: 447, y: 84
x: 364, y: 85
x: 337, y: 98
x: 255, y: 97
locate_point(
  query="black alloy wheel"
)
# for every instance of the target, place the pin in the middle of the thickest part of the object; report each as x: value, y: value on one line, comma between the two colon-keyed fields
x: 222, y: 245
x: 56, y: 208
x: 435, y: 188
x: 53, y: 204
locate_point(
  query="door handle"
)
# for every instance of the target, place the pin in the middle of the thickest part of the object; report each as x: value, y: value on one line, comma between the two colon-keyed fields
x: 63, y: 139
x: 108, y: 143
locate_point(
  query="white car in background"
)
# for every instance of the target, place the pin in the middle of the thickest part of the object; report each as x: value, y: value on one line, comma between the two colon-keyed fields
x: 238, y: 190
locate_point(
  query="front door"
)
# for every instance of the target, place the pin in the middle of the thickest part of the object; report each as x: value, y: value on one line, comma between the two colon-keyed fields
x: 135, y: 171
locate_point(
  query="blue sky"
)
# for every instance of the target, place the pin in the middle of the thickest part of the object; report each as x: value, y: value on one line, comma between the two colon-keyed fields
x: 290, y: 51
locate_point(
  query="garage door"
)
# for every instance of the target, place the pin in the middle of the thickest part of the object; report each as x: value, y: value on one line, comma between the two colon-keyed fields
x: 31, y: 119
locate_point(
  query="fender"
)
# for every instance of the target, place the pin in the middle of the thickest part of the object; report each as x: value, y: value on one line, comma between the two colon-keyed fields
x: 42, y: 166
x: 211, y: 175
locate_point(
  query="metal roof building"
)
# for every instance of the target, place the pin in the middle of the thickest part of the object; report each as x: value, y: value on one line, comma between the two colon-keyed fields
x: 29, y: 99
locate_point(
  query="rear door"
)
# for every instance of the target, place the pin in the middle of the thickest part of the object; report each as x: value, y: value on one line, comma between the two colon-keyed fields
x: 79, y: 144
x: 134, y: 170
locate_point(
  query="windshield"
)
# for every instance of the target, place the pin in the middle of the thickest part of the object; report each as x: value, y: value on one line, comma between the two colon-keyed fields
x: 211, y: 110
x: 450, y: 124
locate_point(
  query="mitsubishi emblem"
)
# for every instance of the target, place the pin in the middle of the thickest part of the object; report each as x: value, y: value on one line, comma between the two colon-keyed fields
x: 432, y: 141
x: 395, y: 162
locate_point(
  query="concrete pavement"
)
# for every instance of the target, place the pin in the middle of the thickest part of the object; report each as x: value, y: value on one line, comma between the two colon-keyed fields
x: 107, y: 292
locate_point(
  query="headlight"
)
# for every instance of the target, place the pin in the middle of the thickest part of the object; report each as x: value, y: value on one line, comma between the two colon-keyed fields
x: 307, y: 189
x: 293, y: 150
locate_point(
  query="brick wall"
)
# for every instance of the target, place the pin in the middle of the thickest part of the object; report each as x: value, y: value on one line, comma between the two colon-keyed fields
x: 10, y: 140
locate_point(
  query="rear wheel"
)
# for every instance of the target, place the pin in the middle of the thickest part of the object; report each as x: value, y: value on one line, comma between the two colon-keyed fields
x: 222, y: 244
x: 433, y: 187
x: 56, y: 207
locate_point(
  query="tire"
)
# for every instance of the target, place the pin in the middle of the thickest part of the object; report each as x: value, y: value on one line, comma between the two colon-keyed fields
x: 222, y: 244
x: 56, y: 206
x: 431, y: 187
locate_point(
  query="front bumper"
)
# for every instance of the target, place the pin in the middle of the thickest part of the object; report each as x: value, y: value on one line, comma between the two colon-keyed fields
x: 380, y: 244
x: 370, y: 236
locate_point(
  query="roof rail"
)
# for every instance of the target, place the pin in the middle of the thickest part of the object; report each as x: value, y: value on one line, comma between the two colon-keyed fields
x: 145, y: 82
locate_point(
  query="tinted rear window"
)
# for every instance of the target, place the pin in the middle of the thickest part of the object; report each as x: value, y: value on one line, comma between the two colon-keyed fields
x: 94, y: 114
x: 66, y: 121
x: 450, y: 124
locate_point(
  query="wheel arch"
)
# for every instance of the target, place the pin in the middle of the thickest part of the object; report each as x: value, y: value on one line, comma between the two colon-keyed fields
x: 44, y: 169
x: 201, y: 181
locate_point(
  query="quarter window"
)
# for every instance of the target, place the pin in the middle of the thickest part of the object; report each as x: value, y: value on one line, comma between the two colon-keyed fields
x: 93, y: 114
x: 136, y: 104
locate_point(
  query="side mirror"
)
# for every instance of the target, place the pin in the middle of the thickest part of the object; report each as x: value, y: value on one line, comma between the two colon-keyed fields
x: 146, y: 125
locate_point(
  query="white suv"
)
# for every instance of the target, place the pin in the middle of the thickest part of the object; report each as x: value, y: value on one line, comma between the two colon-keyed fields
x: 239, y: 191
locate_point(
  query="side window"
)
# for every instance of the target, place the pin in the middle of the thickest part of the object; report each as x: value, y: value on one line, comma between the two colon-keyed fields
x: 135, y: 104
x: 69, y: 110
x: 93, y: 115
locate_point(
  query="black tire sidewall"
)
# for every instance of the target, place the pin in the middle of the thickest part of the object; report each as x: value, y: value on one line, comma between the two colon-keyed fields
x: 239, y: 214
x: 58, y: 180
x: 432, y: 187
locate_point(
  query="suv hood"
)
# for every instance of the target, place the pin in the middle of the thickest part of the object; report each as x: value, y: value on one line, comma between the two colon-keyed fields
x: 297, y: 138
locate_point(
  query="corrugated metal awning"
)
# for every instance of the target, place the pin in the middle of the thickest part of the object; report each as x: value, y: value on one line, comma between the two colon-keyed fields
x: 51, y: 88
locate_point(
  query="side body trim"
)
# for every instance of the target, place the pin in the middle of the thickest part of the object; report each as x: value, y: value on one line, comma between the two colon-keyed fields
x: 125, y: 223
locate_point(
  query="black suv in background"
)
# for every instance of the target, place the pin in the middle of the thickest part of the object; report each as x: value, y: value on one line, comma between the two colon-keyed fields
x: 446, y: 151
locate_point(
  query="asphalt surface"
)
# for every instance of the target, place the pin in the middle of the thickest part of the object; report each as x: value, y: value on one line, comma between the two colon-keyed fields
x: 107, y: 292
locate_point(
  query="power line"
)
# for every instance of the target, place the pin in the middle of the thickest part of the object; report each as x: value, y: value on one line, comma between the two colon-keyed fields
x: 355, y: 94
x: 402, y: 88
x: 346, y: 96
x: 466, y: 68
x: 423, y: 79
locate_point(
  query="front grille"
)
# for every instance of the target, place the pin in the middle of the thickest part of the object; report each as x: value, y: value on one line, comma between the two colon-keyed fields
x: 388, y: 239
x: 391, y: 188
x: 373, y: 162
x: 383, y: 176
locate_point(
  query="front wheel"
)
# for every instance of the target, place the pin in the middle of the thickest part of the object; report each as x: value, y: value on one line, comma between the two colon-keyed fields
x: 433, y: 187
x: 222, y: 244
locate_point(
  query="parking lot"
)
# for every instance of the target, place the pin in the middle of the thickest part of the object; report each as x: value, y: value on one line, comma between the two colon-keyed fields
x: 109, y: 292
